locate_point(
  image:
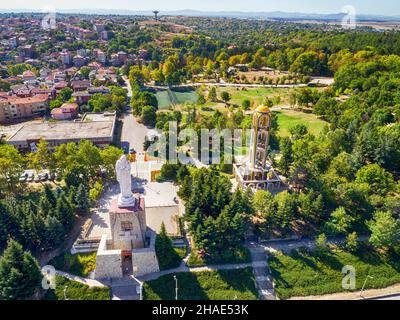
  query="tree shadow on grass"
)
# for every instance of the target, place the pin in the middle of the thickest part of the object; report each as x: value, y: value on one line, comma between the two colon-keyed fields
x: 164, y: 288
x: 368, y: 254
x: 303, y: 257
x: 241, y: 280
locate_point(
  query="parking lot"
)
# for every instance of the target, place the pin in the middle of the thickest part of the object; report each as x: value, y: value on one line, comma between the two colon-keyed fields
x: 32, y: 176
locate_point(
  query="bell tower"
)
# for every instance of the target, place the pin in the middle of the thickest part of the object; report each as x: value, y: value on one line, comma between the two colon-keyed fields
x: 256, y: 170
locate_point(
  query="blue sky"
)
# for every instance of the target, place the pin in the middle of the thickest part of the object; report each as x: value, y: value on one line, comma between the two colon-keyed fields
x: 385, y: 7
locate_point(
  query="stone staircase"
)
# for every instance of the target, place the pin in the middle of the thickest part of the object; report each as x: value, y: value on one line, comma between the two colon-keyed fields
x: 262, y: 273
x: 126, y: 288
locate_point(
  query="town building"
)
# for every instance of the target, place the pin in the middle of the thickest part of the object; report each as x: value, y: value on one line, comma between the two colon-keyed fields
x: 66, y: 58
x: 67, y: 111
x: 13, y: 107
x: 100, y: 131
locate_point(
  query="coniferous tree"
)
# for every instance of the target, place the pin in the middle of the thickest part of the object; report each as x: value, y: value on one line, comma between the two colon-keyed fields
x: 19, y: 273
x: 182, y: 173
x: 185, y: 189
x: 82, y: 199
x: 5, y: 220
x: 64, y: 212
x: 33, y: 230
x: 45, y: 207
x: 54, y: 232
x: 164, y: 249
x: 50, y: 196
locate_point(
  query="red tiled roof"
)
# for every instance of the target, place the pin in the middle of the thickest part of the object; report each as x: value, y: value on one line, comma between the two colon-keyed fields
x: 27, y: 100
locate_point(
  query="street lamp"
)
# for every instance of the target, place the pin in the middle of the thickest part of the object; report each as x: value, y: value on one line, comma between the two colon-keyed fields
x: 365, y: 282
x: 65, y: 295
x: 176, y: 287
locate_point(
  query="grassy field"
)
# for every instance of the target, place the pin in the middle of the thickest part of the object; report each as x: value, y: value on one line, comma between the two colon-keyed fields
x: 80, y: 264
x: 240, y: 256
x: 209, y: 285
x: 290, y: 118
x: 76, y: 291
x: 303, y: 274
x: 256, y: 95
x: 165, y: 100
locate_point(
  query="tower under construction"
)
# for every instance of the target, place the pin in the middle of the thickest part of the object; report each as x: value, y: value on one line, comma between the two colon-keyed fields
x: 256, y: 171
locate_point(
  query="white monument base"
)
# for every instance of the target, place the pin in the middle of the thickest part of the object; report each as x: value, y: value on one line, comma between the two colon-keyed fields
x: 126, y: 202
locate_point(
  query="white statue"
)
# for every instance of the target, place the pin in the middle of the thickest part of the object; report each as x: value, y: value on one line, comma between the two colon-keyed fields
x: 123, y: 170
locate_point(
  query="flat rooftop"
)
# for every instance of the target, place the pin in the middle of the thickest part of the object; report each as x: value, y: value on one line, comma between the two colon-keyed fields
x: 64, y: 131
x: 99, y: 117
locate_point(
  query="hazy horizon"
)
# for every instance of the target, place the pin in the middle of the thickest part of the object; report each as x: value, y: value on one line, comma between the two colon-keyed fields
x: 365, y: 7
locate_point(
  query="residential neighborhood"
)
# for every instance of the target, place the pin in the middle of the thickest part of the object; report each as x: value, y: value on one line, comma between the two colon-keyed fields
x: 199, y: 155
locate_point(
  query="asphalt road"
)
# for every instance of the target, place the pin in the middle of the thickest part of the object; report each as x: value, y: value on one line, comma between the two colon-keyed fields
x: 133, y: 132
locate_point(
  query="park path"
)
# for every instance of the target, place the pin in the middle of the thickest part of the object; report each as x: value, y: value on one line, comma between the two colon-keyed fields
x: 184, y: 268
x: 286, y: 246
x: 261, y: 271
x: 88, y: 282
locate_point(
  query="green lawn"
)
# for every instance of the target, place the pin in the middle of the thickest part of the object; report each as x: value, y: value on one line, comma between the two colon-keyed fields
x: 289, y: 118
x: 80, y: 264
x: 240, y: 256
x: 165, y: 101
x: 303, y: 274
x: 76, y: 291
x: 209, y: 285
x: 255, y: 95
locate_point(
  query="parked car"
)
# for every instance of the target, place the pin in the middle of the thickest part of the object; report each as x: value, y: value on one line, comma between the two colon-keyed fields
x: 23, y: 177
x: 43, y: 177
x: 31, y: 177
x: 37, y: 179
x: 51, y: 176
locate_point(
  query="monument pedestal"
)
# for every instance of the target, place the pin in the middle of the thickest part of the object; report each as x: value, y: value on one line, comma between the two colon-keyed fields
x: 126, y: 201
x: 128, y: 224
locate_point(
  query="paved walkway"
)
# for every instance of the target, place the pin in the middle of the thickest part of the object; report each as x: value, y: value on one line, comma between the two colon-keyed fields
x: 261, y: 272
x: 286, y: 246
x: 127, y: 288
x: 184, y: 268
x: 88, y: 282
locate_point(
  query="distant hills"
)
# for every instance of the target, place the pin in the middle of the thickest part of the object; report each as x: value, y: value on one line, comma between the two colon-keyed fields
x: 276, y: 15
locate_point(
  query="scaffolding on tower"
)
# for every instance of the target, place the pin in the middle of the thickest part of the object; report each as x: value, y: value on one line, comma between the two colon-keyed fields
x: 256, y: 171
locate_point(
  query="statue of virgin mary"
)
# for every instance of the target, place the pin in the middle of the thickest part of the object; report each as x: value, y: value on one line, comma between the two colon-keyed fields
x: 124, y: 178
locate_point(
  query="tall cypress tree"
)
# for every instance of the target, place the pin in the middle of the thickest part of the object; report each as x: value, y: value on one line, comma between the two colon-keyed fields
x: 164, y: 250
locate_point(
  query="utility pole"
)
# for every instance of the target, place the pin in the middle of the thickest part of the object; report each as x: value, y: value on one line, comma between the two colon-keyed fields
x: 365, y: 282
x: 176, y: 287
x: 65, y: 295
